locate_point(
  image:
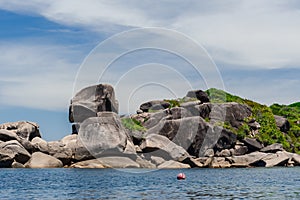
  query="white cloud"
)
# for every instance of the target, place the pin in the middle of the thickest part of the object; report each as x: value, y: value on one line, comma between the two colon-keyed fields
x: 37, y: 76
x: 263, y: 34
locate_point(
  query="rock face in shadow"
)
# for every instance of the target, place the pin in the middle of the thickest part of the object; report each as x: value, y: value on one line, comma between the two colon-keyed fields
x: 91, y: 100
x: 199, y: 94
x: 154, y: 105
x: 282, y: 123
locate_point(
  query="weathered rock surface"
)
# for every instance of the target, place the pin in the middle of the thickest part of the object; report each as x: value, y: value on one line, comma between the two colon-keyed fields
x: 91, y: 100
x: 58, y: 150
x: 118, y: 162
x: 246, y: 160
x: 6, y: 135
x: 90, y: 164
x: 253, y: 144
x: 24, y: 129
x: 40, y: 145
x: 104, y: 134
x: 41, y: 160
x: 158, y: 145
x: 171, y: 164
x: 154, y: 105
x: 277, y: 159
x: 273, y: 148
x: 282, y: 123
x: 198, y: 94
x: 15, y: 150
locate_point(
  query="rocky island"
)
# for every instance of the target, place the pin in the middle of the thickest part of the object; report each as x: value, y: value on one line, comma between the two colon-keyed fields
x: 203, y: 129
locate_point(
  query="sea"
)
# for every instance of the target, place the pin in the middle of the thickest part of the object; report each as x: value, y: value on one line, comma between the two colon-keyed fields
x: 249, y: 183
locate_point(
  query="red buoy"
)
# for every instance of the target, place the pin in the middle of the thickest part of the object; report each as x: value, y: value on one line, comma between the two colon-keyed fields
x: 181, y: 176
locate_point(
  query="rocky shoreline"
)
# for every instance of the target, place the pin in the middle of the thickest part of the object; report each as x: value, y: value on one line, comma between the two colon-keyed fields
x: 191, y: 134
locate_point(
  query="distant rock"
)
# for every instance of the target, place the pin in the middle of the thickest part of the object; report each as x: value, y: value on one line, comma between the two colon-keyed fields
x: 91, y: 100
x: 199, y: 94
x: 273, y: 148
x: 41, y: 160
x: 154, y: 105
x: 24, y: 129
x: 282, y: 123
x: 253, y: 144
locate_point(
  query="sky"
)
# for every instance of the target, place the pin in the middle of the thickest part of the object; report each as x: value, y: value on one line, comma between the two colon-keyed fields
x: 51, y: 49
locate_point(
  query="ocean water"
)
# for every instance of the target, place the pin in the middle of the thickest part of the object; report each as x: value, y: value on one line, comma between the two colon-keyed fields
x: 252, y: 183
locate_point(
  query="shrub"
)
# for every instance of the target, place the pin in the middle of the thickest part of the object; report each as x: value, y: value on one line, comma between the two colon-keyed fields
x: 132, y: 124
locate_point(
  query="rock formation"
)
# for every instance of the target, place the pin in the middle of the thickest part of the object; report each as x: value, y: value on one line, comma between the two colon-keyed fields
x: 193, y: 132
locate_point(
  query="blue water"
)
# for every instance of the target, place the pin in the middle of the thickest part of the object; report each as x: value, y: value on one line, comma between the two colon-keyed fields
x: 254, y: 183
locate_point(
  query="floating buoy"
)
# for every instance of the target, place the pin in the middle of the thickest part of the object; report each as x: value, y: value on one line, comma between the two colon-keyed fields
x: 181, y: 176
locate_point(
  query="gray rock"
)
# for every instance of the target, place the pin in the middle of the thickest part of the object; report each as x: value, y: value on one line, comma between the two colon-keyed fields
x: 296, y: 159
x: 198, y: 94
x: 118, y: 162
x: 273, y: 148
x: 171, y: 164
x: 253, y: 144
x: 16, y: 151
x: 277, y: 159
x: 239, y: 150
x: 88, y: 164
x: 194, y: 134
x: 6, y: 135
x: 157, y: 160
x: 145, y: 163
x: 224, y: 153
x: 282, y: 123
x: 40, y: 145
x: 58, y: 150
x: 91, y: 100
x: 41, y: 160
x: 158, y: 145
x: 219, y: 163
x: 17, y: 165
x: 24, y: 129
x: 246, y: 160
x: 104, y: 134
x: 6, y: 158
x: 154, y: 105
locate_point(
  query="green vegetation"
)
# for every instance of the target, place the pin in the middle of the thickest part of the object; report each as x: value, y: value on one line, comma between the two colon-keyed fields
x: 268, y: 133
x: 292, y: 113
x: 173, y: 102
x: 132, y: 124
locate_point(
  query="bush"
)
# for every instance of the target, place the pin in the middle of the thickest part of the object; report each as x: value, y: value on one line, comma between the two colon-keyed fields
x: 132, y: 124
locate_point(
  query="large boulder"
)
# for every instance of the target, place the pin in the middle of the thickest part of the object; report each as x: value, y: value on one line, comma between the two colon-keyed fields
x: 15, y: 150
x: 6, y: 158
x: 24, y: 129
x: 282, y: 123
x: 246, y: 160
x: 277, y: 159
x: 253, y: 144
x: 273, y: 148
x: 194, y: 134
x: 91, y: 100
x: 105, y: 134
x: 40, y: 145
x: 198, y: 94
x: 58, y: 150
x: 154, y: 105
x: 161, y: 146
x: 41, y: 160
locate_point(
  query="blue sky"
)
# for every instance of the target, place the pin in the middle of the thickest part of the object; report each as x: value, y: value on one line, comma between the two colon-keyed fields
x: 255, y: 45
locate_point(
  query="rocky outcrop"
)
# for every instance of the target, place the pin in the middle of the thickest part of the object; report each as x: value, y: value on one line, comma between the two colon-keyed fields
x: 154, y: 105
x: 91, y: 100
x: 194, y: 133
x: 41, y: 160
x: 23, y: 129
